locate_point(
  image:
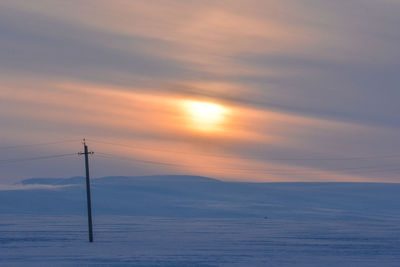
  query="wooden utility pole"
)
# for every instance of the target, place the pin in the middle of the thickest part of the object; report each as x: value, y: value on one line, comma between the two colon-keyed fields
x: 89, y: 203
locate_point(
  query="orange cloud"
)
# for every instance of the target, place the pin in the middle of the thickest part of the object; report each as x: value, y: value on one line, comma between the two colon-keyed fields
x: 154, y: 128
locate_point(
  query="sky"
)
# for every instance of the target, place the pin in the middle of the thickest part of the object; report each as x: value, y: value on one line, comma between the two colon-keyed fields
x: 240, y: 90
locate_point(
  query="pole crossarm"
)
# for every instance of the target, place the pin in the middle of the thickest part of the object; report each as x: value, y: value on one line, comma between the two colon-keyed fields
x: 84, y: 153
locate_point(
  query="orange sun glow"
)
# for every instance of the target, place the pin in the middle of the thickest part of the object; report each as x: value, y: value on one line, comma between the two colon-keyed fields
x: 205, y: 116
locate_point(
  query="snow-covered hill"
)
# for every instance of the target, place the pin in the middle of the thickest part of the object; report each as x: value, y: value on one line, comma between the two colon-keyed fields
x: 193, y: 196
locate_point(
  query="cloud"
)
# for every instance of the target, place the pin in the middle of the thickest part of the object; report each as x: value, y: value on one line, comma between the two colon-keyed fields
x: 303, y: 78
x: 40, y: 46
x: 152, y: 127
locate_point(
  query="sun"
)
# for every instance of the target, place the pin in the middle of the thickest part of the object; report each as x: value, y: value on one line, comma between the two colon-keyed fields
x: 205, y: 116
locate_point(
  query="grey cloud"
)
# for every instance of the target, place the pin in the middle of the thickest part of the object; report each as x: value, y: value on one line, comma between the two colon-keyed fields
x: 34, y: 45
x: 347, y: 91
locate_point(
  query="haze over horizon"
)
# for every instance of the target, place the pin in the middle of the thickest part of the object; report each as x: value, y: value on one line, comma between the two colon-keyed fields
x: 236, y: 90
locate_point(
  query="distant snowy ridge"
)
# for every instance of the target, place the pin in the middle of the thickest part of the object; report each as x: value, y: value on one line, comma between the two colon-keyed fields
x: 195, y: 196
x: 116, y: 179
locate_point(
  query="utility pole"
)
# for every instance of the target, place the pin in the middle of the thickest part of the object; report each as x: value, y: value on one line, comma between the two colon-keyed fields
x: 89, y: 203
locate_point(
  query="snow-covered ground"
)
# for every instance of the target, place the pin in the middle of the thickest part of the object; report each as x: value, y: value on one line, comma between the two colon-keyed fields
x: 197, y: 221
x: 155, y: 241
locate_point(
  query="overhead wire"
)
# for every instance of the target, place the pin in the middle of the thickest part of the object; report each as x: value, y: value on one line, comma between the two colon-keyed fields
x: 201, y: 154
x: 242, y: 157
x: 15, y: 160
x: 107, y: 155
x: 368, y: 169
x: 355, y: 170
x: 39, y: 144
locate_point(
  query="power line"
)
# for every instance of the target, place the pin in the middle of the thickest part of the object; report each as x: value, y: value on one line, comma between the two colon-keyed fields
x: 205, y: 154
x: 242, y: 157
x: 366, y: 169
x: 161, y: 150
x: 6, y: 161
x: 344, y: 158
x: 111, y: 156
x: 39, y: 144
